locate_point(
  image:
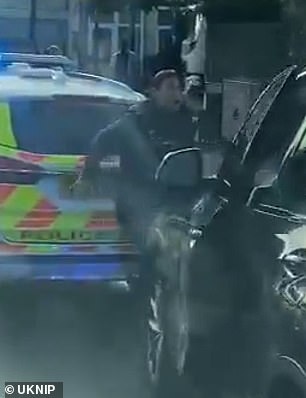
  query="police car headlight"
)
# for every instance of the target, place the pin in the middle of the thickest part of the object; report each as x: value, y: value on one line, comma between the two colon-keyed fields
x: 292, y: 285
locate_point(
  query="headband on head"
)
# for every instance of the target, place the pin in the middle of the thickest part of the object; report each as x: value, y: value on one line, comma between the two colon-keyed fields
x: 163, y: 75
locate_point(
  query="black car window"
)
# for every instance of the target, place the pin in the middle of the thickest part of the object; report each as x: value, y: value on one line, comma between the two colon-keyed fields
x: 244, y: 141
x: 246, y: 147
x: 278, y: 129
x: 284, y: 139
x: 59, y: 126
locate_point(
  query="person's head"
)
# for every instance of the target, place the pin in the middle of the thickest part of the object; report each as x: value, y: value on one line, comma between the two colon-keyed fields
x: 166, y: 90
x: 53, y: 50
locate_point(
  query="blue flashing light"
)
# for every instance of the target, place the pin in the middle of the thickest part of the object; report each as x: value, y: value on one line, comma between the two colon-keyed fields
x: 79, y: 272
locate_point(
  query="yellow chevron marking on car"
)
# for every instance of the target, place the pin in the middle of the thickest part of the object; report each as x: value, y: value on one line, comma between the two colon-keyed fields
x: 7, y: 135
x: 41, y: 249
x: 69, y: 162
x: 19, y: 203
x: 8, y: 152
x: 63, y: 160
x: 63, y: 221
x: 55, y: 249
x: 21, y: 222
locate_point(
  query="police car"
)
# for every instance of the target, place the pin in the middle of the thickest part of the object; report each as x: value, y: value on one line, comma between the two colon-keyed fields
x: 48, y: 118
x: 37, y: 61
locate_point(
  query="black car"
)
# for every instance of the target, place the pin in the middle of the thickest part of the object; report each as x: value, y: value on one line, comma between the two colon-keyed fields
x: 228, y: 293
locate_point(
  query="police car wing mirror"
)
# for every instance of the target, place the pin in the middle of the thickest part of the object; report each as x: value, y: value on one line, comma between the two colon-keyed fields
x: 181, y: 169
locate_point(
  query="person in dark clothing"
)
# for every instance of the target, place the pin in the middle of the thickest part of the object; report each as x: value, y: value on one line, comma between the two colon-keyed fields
x: 141, y: 138
x: 147, y: 131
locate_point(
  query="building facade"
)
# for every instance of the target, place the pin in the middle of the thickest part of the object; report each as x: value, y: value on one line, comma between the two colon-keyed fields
x: 51, y: 24
x: 91, y: 40
x: 106, y: 32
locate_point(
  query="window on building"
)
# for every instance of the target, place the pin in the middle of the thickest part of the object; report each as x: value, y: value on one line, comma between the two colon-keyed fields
x: 51, y: 5
x: 125, y: 17
x: 105, y: 18
x: 104, y: 36
x: 165, y: 17
x: 124, y: 33
x: 165, y: 38
x: 137, y: 40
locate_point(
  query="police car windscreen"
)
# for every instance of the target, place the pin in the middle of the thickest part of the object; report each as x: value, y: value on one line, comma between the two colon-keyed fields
x: 60, y: 126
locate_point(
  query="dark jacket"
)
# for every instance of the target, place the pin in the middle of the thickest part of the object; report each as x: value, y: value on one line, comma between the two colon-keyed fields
x: 141, y: 138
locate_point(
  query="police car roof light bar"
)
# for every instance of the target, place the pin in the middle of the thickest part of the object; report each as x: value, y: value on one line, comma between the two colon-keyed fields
x: 25, y: 71
x: 37, y: 59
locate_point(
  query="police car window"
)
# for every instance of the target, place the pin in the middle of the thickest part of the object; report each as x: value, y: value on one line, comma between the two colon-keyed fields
x: 60, y: 126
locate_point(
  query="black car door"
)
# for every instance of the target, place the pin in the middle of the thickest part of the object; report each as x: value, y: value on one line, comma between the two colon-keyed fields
x: 256, y: 153
x: 178, y: 229
x: 267, y: 209
x: 225, y: 231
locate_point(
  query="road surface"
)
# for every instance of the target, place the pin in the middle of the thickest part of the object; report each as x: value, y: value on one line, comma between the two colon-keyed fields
x: 86, y: 337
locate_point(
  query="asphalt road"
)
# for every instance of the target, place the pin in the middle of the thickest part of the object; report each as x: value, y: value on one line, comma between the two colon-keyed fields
x: 89, y: 338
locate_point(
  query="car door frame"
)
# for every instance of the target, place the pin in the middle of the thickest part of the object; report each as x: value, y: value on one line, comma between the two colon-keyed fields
x: 236, y: 157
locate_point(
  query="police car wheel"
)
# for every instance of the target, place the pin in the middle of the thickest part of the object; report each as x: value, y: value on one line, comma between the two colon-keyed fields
x: 165, y: 375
